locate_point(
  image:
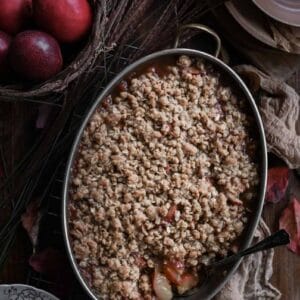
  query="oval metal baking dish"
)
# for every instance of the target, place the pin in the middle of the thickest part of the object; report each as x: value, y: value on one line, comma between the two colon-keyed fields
x: 215, y: 283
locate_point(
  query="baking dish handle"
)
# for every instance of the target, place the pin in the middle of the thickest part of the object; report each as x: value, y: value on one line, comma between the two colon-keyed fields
x: 201, y: 28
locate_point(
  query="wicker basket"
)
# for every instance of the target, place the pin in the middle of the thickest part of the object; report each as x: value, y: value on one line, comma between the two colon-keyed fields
x: 59, y: 83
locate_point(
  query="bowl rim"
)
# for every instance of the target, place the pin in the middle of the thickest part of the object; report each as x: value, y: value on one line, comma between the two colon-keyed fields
x: 262, y: 141
x: 28, y: 287
x: 279, y: 12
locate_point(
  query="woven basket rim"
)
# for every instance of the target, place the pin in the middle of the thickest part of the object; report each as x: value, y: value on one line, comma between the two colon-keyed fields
x: 60, y: 82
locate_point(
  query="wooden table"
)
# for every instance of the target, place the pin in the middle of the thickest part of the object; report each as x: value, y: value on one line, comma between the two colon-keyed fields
x: 18, y: 121
x: 286, y: 265
x: 286, y: 276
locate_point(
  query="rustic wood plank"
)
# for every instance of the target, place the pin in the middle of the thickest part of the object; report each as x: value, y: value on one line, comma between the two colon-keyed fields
x: 15, y: 138
x: 286, y: 264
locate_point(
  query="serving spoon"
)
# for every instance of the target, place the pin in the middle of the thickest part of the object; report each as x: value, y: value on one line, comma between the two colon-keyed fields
x: 279, y: 238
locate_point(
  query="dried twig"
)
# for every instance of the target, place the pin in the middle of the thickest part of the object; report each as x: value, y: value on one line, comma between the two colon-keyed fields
x: 117, y: 24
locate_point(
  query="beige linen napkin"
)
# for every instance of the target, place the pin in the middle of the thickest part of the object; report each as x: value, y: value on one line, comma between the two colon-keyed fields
x: 286, y: 37
x: 252, y: 279
x: 278, y: 102
x: 264, y: 28
x: 279, y: 108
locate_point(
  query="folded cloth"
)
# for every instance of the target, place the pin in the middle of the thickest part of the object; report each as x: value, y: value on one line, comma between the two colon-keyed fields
x: 285, y: 36
x: 278, y: 104
x: 252, y: 279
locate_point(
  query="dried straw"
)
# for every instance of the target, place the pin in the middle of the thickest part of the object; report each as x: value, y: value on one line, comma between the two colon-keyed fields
x: 117, y: 24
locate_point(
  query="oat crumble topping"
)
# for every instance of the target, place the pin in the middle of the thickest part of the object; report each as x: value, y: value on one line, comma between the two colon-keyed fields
x: 164, y: 170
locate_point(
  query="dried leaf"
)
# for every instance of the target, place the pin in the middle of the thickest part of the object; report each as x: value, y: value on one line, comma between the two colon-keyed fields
x: 54, y: 265
x: 290, y: 221
x: 47, y: 262
x: 43, y: 116
x: 101, y: 58
x: 277, y: 184
x: 31, y: 221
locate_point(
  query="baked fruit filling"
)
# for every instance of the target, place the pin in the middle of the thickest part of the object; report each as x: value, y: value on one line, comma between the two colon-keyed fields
x: 162, y: 181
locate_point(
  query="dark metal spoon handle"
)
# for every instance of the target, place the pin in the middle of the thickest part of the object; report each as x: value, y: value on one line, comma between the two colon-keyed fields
x: 279, y: 238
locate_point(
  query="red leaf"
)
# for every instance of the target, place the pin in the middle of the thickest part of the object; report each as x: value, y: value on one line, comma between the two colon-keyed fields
x: 47, y: 262
x: 290, y: 221
x: 30, y: 221
x: 277, y: 184
x: 54, y: 265
x: 43, y: 116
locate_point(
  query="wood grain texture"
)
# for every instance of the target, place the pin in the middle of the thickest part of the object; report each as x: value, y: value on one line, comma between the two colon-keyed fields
x: 286, y: 265
x: 15, y: 137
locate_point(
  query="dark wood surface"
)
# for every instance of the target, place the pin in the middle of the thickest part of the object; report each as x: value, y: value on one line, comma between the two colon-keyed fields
x: 286, y: 265
x: 15, y: 137
x: 18, y: 122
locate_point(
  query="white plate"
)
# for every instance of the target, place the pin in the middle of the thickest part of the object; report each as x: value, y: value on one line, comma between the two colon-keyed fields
x: 23, y: 292
x: 251, y: 19
x: 285, y: 11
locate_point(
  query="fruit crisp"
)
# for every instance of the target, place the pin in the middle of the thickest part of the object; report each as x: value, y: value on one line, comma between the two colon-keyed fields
x: 161, y: 182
